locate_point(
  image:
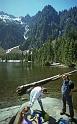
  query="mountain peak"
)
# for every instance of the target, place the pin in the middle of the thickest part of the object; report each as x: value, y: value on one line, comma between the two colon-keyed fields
x: 9, y: 18
x: 2, y: 13
x: 48, y: 8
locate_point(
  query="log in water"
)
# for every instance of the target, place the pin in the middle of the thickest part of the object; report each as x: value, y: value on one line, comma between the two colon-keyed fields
x: 23, y: 89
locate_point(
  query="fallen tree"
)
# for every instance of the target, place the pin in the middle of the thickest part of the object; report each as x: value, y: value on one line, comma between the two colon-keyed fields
x: 24, y: 88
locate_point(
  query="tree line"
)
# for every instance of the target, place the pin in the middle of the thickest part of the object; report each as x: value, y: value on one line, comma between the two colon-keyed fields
x: 62, y: 49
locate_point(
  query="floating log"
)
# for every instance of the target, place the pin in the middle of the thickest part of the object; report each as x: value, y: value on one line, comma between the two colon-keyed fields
x: 24, y: 88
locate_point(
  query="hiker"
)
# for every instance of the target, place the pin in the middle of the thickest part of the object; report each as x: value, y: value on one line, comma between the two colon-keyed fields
x: 66, y: 90
x: 25, y: 117
x: 22, y: 118
x: 36, y: 94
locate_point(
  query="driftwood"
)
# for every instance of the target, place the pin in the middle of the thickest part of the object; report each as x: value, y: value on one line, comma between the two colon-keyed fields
x: 24, y: 88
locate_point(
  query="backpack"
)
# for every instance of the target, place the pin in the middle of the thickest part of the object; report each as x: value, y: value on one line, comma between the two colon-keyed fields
x: 63, y: 121
x: 71, y: 85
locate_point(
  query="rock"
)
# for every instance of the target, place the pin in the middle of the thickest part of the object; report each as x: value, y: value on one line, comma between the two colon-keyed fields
x: 7, y: 113
x: 52, y: 107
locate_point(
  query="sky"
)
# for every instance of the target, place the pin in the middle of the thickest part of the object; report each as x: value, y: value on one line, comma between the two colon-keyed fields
x: 31, y: 7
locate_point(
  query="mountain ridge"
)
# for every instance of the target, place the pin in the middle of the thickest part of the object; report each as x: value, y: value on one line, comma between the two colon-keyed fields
x: 33, y: 32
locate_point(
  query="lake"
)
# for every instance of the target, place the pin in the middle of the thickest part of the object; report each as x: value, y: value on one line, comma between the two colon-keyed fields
x: 15, y: 74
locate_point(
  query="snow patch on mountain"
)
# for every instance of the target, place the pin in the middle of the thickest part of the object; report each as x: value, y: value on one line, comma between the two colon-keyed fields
x: 9, y: 50
x: 6, y: 18
x: 26, y: 31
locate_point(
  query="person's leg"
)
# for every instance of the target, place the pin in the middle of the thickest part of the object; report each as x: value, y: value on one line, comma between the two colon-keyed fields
x: 30, y: 104
x: 40, y: 103
x: 69, y: 102
x: 64, y: 105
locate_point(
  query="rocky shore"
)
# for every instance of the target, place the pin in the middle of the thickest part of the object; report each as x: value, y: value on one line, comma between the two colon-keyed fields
x: 52, y: 106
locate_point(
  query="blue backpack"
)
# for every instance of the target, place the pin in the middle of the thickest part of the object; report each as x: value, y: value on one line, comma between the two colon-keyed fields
x: 63, y: 121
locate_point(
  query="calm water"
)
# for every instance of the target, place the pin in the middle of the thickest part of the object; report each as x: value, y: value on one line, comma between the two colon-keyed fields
x: 14, y: 74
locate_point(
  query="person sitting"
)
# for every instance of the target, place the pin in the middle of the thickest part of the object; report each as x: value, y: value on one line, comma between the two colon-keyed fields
x: 26, y: 118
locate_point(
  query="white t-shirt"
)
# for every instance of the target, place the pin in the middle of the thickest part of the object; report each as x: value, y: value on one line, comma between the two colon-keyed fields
x: 36, y: 94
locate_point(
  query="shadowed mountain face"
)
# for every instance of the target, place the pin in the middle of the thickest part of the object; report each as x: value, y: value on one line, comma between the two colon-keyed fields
x: 31, y: 32
x: 11, y: 35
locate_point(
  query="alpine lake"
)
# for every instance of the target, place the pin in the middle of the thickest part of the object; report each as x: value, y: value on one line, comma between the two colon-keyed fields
x: 14, y: 74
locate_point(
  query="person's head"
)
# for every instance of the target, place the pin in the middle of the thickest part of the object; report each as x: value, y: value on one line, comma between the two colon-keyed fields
x: 24, y: 111
x: 44, y: 90
x: 65, y: 77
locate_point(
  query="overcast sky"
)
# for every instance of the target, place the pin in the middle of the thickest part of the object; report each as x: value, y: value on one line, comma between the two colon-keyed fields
x: 31, y: 7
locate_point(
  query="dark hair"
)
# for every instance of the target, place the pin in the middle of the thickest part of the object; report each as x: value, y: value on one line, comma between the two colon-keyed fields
x: 67, y: 76
x: 45, y: 90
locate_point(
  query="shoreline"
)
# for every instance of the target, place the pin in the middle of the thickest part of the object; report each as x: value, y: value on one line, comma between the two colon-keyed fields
x: 54, y: 64
x: 60, y: 65
x: 10, y: 61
